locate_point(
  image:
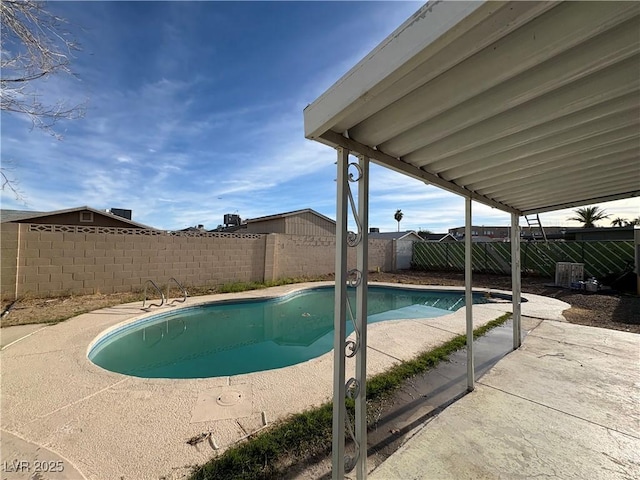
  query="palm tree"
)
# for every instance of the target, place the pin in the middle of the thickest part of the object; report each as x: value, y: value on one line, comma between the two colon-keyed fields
x: 619, y: 222
x: 588, y: 216
x: 635, y: 221
x: 398, y: 216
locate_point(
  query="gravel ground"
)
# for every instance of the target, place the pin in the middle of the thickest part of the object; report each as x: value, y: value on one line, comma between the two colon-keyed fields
x: 603, y: 309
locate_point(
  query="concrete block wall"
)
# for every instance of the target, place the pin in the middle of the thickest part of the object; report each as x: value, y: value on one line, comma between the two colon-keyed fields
x: 51, y: 263
x: 8, y: 259
x: 308, y: 256
x: 57, y: 260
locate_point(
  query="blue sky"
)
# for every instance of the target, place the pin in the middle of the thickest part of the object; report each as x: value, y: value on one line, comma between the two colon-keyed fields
x: 194, y: 110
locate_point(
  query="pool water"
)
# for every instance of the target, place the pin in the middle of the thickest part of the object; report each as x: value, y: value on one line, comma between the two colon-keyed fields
x: 221, y: 339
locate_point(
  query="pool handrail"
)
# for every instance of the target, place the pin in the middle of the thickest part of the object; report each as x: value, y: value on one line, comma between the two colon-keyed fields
x: 162, y: 297
x: 182, y: 289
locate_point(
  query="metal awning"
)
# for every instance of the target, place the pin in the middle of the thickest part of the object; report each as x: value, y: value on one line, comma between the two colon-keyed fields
x: 523, y: 106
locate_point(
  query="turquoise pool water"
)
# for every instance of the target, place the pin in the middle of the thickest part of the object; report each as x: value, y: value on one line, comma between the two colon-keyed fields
x: 237, y: 337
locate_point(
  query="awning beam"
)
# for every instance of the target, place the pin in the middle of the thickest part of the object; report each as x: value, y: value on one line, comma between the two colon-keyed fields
x: 334, y: 139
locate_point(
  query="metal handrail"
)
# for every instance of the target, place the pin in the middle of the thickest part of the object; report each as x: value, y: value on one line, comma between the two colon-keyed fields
x: 184, y: 328
x: 144, y: 336
x: 162, y: 297
x: 181, y: 287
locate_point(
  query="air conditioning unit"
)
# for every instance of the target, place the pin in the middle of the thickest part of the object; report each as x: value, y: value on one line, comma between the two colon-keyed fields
x: 568, y: 273
x: 231, y: 219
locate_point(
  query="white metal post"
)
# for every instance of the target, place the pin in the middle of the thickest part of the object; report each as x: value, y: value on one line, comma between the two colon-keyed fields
x: 469, y: 293
x: 339, y: 410
x: 516, y: 285
x: 361, y: 319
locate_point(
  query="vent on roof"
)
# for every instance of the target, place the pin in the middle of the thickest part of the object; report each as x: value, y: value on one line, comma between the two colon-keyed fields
x: 374, y: 230
x: 86, y: 217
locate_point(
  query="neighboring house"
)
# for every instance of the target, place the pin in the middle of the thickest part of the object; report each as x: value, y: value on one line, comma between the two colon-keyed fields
x: 599, y: 233
x: 404, y: 246
x: 503, y: 234
x: 197, y: 229
x: 437, y: 237
x: 298, y: 222
x: 80, y: 216
x: 410, y: 235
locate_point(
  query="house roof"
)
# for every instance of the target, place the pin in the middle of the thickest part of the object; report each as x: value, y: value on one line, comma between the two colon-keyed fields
x: 599, y: 229
x: 436, y: 237
x: 20, y: 215
x: 409, y: 235
x: 15, y: 215
x: 524, y: 106
x: 289, y: 214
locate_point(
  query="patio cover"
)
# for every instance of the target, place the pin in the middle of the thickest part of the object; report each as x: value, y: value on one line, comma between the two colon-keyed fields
x: 523, y: 106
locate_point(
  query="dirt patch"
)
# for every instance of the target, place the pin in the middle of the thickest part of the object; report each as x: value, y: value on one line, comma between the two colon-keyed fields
x: 52, y: 310
x: 609, y: 309
x: 605, y: 309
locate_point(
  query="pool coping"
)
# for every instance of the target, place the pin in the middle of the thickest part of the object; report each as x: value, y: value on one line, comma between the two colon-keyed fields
x: 56, y: 398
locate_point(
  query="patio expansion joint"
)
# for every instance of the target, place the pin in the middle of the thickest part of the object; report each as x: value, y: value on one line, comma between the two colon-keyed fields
x: 22, y: 338
x: 385, y: 353
x: 80, y: 400
x: 47, y: 352
x: 46, y: 447
x: 479, y: 382
x: 564, y: 342
x: 441, y: 329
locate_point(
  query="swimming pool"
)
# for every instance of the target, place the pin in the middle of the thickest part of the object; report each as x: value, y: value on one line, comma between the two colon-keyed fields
x: 230, y: 338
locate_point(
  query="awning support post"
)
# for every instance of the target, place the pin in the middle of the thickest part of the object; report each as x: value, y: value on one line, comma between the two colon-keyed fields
x: 516, y: 285
x: 468, y: 296
x: 339, y: 327
x: 355, y: 387
x: 362, y: 271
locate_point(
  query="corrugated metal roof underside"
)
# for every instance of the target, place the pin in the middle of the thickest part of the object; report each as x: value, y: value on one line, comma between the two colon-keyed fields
x: 528, y: 107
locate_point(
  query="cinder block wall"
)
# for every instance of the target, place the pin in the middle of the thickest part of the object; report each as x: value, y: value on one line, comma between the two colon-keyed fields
x: 8, y: 259
x: 51, y: 260
x: 53, y: 263
x: 300, y: 255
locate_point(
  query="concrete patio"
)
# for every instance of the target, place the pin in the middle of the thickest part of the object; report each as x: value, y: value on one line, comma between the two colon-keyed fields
x: 101, y: 425
x: 564, y: 405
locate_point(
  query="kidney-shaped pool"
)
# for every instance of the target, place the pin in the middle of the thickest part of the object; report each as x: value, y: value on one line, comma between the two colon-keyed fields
x: 230, y: 338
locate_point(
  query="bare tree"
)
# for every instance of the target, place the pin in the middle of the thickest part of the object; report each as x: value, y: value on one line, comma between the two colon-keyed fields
x: 12, y: 186
x: 35, y: 46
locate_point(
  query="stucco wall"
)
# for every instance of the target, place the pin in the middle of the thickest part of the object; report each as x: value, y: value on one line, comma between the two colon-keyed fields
x: 50, y: 260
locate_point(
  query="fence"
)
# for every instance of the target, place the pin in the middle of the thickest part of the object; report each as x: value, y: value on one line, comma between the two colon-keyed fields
x: 600, y: 258
x: 50, y: 260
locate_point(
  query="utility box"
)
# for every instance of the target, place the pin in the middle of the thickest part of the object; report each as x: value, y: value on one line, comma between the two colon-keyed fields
x: 568, y: 273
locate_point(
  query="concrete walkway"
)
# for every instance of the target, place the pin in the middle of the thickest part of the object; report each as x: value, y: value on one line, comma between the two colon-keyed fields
x: 104, y: 425
x: 566, y: 405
